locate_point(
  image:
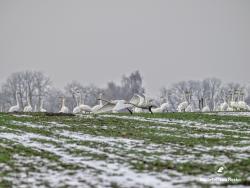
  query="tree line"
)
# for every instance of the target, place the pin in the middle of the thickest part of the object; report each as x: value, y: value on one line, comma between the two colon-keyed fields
x: 35, y: 86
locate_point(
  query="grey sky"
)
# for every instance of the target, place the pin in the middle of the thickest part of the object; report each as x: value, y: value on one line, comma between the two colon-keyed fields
x: 97, y: 41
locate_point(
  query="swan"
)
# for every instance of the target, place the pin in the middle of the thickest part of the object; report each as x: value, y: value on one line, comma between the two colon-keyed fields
x: 121, y: 105
x: 98, y: 106
x: 242, y: 105
x: 182, y: 106
x: 84, y: 108
x: 185, y: 106
x: 64, y: 109
x: 81, y: 107
x: 142, y: 102
x: 15, y: 108
x: 28, y: 108
x: 77, y: 109
x: 162, y: 108
x: 41, y: 109
x: 113, y: 106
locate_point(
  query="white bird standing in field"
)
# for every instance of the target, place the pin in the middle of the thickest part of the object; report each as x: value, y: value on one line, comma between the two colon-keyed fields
x: 15, y: 108
x: 28, y: 108
x: 161, y: 109
x: 164, y: 107
x: 98, y: 106
x: 84, y: 108
x: 182, y: 106
x: 80, y: 106
x: 77, y: 109
x: 185, y: 106
x: 242, y: 105
x: 64, y: 109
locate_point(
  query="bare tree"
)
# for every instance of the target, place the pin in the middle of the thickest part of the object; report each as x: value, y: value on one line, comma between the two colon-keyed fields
x: 30, y: 84
x: 53, y: 102
x: 129, y: 86
x: 42, y: 85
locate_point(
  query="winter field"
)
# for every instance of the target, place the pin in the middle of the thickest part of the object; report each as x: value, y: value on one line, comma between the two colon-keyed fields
x: 122, y: 150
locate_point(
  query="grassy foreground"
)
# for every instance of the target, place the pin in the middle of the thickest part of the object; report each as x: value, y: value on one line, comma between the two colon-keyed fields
x: 119, y: 150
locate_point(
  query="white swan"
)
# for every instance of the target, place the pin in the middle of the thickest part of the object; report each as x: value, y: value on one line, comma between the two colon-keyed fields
x: 84, y: 108
x: 162, y: 108
x: 64, y: 109
x: 15, y: 108
x: 77, y: 109
x: 142, y: 102
x: 28, y: 108
x: 113, y: 106
x: 242, y: 105
x: 41, y: 109
x: 81, y: 107
x: 185, y: 106
x: 182, y: 106
x: 98, y: 106
x: 121, y: 105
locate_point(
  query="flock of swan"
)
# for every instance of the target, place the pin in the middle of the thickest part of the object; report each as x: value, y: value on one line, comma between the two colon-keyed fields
x: 27, y: 108
x: 235, y: 102
x: 137, y: 104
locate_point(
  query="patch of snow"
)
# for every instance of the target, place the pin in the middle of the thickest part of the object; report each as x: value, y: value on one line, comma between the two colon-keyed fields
x: 247, y: 114
x: 21, y: 115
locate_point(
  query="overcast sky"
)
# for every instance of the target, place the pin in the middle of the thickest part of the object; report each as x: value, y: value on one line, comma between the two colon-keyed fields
x: 97, y: 41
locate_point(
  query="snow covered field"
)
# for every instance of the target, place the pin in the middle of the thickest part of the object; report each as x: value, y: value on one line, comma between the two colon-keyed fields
x: 144, y: 150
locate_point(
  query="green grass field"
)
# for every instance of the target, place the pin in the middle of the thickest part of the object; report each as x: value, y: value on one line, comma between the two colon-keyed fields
x: 119, y: 150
